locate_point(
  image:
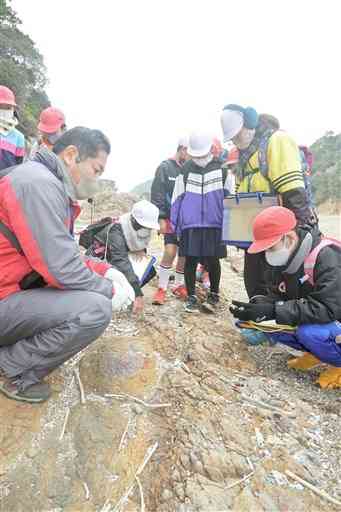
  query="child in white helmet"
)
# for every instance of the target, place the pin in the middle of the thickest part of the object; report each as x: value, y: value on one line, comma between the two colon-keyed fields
x: 197, y: 215
x: 119, y: 239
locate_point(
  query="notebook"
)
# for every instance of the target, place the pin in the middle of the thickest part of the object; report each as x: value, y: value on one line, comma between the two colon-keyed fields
x: 142, y: 266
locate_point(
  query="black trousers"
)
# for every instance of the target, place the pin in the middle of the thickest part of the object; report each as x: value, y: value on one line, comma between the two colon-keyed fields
x: 212, y: 264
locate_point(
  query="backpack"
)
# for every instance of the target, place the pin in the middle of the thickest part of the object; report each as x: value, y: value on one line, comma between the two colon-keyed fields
x: 87, y: 236
x: 31, y: 280
x: 310, y: 261
x: 306, y: 163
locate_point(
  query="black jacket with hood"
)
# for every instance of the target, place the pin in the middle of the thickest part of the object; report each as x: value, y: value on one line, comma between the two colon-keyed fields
x: 300, y: 302
x: 163, y: 186
x: 117, y: 254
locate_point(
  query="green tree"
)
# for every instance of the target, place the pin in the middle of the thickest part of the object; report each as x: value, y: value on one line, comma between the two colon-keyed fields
x: 326, y: 179
x: 21, y: 68
x: 335, y: 183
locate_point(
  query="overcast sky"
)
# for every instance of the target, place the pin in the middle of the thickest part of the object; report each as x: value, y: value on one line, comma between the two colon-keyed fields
x: 146, y: 72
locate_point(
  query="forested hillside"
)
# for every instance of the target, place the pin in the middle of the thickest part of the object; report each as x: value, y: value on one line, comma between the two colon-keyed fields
x: 327, y: 168
x: 21, y: 69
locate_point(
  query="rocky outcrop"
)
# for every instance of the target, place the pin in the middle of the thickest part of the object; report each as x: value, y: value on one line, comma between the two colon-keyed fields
x: 204, y: 422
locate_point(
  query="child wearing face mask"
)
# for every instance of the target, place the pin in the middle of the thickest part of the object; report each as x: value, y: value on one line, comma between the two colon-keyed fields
x: 51, y: 127
x: 129, y: 234
x: 278, y: 255
x: 197, y: 215
x: 269, y: 161
x: 303, y: 275
x: 12, y: 141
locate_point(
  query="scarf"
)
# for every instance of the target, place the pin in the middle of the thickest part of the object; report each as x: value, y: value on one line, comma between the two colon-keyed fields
x: 300, y: 254
x: 133, y: 240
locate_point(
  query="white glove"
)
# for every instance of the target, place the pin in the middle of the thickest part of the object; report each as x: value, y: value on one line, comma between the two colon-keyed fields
x: 124, y: 294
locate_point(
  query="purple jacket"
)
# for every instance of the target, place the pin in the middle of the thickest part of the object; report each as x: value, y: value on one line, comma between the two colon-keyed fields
x: 198, y: 196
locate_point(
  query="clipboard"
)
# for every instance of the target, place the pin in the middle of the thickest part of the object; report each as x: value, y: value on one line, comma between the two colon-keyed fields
x: 239, y: 213
x: 268, y: 326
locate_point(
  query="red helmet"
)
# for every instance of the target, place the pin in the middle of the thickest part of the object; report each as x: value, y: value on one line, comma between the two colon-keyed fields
x: 270, y: 226
x: 51, y: 120
x: 6, y: 96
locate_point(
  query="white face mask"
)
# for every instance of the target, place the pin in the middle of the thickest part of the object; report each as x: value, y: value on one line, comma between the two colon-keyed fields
x: 244, y: 138
x: 280, y: 257
x: 6, y: 115
x: 143, y: 232
x: 7, y: 121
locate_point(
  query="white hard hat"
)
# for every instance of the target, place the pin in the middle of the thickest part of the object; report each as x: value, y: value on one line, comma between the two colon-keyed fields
x: 231, y: 123
x: 199, y: 144
x: 183, y: 142
x: 146, y: 214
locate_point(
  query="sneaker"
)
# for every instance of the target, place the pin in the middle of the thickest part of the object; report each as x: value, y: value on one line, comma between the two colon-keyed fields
x: 211, y: 302
x: 180, y: 292
x: 159, y: 297
x: 213, y: 298
x: 36, y: 393
x: 192, y: 305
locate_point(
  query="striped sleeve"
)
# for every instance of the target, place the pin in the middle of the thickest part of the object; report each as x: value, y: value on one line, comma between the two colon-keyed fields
x: 178, y: 193
x: 284, y: 163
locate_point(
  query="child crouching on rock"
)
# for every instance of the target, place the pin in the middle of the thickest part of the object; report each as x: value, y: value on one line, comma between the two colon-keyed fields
x: 122, y: 240
x: 303, y: 275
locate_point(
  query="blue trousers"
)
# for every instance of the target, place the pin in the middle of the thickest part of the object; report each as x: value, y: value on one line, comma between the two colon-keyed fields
x: 318, y: 339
